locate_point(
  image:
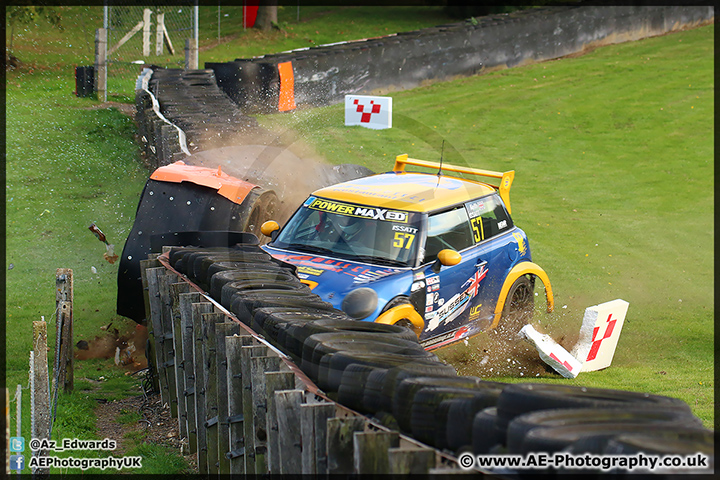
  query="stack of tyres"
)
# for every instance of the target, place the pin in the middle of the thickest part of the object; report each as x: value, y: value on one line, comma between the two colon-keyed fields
x: 383, y: 372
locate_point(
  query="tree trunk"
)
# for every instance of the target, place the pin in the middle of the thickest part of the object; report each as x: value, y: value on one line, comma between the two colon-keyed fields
x: 266, y: 15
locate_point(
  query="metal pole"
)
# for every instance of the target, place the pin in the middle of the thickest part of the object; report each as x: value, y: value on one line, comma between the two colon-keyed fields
x: 196, y: 34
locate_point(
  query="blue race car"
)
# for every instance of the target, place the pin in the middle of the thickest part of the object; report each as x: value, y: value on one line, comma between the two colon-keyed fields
x: 436, y: 253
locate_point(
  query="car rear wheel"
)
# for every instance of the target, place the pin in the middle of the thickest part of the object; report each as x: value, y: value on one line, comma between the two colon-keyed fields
x: 519, y: 307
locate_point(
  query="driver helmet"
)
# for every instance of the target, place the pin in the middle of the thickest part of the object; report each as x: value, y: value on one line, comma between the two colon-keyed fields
x: 349, y: 226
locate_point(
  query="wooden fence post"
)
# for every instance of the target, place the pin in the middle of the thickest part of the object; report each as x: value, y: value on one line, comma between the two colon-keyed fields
x: 209, y: 321
x: 275, y: 381
x: 41, y: 389
x: 64, y: 306
x: 223, y: 330
x: 411, y: 460
x: 150, y: 350
x: 340, y: 443
x: 236, y: 393
x: 164, y: 282
x: 153, y: 276
x: 287, y: 407
x: 258, y: 367
x: 197, y: 310
x: 313, y: 425
x: 186, y: 327
x: 246, y: 354
x: 176, y: 289
x: 101, y: 64
x: 371, y: 451
x: 146, y: 32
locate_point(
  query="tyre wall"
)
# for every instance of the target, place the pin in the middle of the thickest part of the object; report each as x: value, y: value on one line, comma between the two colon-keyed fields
x: 323, y: 75
x: 180, y: 111
x: 393, y: 394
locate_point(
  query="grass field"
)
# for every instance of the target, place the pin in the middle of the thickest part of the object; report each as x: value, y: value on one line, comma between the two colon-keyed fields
x: 613, y: 153
x: 614, y: 160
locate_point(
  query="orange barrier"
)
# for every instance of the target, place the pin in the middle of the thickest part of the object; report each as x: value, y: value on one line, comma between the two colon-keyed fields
x: 287, y: 87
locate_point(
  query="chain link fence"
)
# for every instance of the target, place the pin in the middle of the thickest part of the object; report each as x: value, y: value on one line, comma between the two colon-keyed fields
x: 138, y: 35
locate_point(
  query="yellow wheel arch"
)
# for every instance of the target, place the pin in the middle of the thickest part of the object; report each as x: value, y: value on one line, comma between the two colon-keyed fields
x: 523, y: 268
x: 404, y: 311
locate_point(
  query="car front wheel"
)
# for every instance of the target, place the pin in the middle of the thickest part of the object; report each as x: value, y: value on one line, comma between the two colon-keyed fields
x: 519, y: 307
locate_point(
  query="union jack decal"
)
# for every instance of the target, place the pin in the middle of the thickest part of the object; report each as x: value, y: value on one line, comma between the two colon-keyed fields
x: 474, y: 281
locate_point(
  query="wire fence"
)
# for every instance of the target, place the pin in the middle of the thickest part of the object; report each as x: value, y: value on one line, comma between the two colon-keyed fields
x: 138, y: 35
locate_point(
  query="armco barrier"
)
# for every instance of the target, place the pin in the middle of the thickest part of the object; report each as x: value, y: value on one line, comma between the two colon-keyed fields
x: 257, y: 379
x: 323, y: 75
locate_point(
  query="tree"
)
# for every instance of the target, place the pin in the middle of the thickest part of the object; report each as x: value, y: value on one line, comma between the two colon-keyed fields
x: 17, y: 15
x: 266, y: 15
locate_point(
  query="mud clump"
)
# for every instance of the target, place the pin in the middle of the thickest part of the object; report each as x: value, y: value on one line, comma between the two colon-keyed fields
x: 127, y: 349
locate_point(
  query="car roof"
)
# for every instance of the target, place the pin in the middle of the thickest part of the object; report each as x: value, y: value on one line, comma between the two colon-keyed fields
x: 410, y: 191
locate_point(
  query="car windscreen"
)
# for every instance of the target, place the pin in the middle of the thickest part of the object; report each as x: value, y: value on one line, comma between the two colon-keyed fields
x: 362, y: 233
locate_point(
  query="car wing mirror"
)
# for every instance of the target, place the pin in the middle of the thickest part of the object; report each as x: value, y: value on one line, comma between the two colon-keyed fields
x: 270, y: 229
x: 446, y: 258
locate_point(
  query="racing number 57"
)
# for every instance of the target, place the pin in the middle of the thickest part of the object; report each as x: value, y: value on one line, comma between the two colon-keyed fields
x: 403, y: 239
x: 477, y: 228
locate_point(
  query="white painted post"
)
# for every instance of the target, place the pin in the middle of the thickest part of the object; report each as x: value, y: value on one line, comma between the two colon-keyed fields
x: 101, y: 64
x: 160, y: 35
x: 146, y: 32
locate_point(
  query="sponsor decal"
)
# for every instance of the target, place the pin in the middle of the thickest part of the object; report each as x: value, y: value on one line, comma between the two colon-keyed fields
x: 502, y: 224
x: 433, y: 288
x: 475, y: 208
x: 474, y: 281
x: 475, y: 312
x: 522, y: 248
x: 373, y: 213
x: 428, y: 308
x: 449, y: 311
x: 434, y: 280
x: 417, y: 286
x: 310, y: 271
x: 446, y: 338
x: 310, y: 263
x: 404, y: 229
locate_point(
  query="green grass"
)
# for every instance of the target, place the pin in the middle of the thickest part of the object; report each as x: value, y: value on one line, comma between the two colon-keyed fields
x: 613, y: 153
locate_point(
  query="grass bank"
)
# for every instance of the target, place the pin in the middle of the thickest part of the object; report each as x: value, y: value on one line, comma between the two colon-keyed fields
x: 614, y: 160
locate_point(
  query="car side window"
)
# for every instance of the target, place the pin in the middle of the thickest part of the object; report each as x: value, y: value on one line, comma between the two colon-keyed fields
x: 488, y: 217
x: 449, y: 229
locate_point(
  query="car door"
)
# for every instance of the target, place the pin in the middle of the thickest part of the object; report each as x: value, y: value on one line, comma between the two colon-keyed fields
x: 450, y: 292
x: 496, y: 250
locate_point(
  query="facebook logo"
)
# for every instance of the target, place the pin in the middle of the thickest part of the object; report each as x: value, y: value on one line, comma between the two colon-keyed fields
x: 17, y: 444
x: 17, y: 462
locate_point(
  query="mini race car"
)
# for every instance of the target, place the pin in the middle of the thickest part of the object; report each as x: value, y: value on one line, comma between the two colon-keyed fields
x: 436, y: 253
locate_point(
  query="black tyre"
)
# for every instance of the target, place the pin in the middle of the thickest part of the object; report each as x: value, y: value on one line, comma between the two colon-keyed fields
x: 555, y: 439
x: 485, y: 432
x: 352, y: 386
x: 243, y: 305
x: 381, y: 394
x: 320, y: 344
x: 333, y: 365
x: 220, y: 279
x: 360, y: 326
x: 406, y: 390
x: 529, y: 397
x: 257, y: 285
x: 519, y: 307
x: 521, y: 425
x: 459, y: 428
x: 263, y: 207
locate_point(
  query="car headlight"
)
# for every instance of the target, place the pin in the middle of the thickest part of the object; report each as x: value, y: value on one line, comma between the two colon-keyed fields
x: 360, y: 303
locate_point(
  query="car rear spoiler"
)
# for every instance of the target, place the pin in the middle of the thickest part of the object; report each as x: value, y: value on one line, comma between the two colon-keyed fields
x: 506, y: 178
